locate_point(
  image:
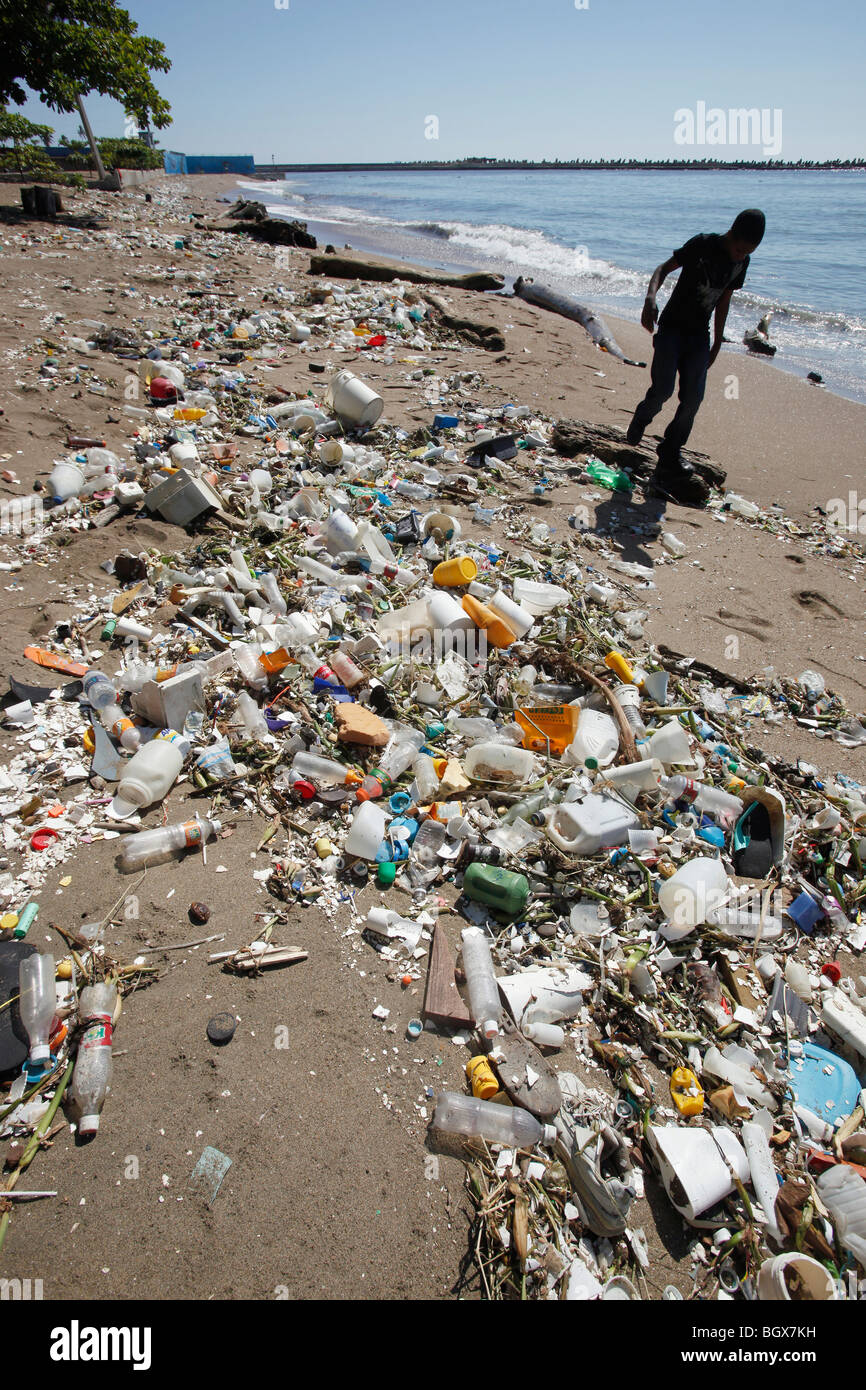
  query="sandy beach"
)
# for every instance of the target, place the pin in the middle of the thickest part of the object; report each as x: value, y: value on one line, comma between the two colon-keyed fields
x: 330, y: 1192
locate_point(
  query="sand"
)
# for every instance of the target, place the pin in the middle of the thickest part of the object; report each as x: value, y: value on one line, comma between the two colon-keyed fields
x: 331, y: 1192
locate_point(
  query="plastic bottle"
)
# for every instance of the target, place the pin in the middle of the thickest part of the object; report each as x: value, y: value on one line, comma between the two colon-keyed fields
x: 702, y: 797
x: 92, y: 1074
x: 254, y: 722
x: 497, y: 631
x: 270, y: 589
x: 484, y: 1119
x: 504, y: 891
x: 37, y: 1004
x: 400, y: 752
x: 428, y: 841
x: 151, y: 772
x: 366, y: 832
x: 155, y: 846
x: 247, y: 661
x: 629, y: 699
x: 345, y: 668
x: 426, y: 777
x: 102, y: 697
x: 613, y: 478
x: 323, y: 771
x: 481, y: 981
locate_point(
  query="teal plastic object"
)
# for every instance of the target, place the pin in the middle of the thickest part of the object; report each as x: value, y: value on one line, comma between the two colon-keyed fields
x: 830, y: 1095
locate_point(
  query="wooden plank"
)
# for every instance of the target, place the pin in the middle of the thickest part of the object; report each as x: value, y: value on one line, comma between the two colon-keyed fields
x: 122, y: 601
x: 442, y: 1001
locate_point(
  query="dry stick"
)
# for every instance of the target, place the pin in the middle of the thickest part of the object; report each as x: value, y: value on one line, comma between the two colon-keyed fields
x: 33, y: 1147
x: 628, y: 743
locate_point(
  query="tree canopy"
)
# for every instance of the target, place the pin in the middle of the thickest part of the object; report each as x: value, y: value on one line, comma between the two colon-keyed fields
x: 63, y: 49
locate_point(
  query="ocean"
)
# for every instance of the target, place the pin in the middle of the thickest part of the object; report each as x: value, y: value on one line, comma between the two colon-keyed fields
x: 599, y: 235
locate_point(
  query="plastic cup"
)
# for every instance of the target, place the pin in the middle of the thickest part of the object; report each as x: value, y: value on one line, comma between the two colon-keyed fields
x: 670, y: 744
x: 455, y: 572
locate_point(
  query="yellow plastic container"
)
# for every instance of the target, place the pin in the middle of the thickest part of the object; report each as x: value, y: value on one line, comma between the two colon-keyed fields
x: 482, y: 1078
x: 558, y: 722
x: 451, y: 574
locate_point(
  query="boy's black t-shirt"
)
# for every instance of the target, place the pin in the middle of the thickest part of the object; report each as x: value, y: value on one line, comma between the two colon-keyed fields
x: 707, y: 271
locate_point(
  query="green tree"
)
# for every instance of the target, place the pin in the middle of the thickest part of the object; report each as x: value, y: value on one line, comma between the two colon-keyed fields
x: 62, y: 49
x: 22, y: 134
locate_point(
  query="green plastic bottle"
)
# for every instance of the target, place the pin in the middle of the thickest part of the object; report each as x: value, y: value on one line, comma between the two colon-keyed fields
x: 500, y: 889
x: 614, y: 478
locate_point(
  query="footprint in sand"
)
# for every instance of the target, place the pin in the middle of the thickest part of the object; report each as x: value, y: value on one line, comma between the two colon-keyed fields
x: 816, y: 603
x: 740, y: 622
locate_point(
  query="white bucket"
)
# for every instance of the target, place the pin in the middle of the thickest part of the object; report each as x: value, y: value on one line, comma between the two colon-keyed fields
x: 817, y: 1282
x: 353, y: 400
x: 694, y: 1172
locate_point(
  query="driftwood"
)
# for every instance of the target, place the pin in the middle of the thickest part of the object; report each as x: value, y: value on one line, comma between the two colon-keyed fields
x: 483, y: 335
x: 629, y: 747
x: 608, y: 443
x: 251, y: 219
x: 546, y: 298
x: 344, y: 267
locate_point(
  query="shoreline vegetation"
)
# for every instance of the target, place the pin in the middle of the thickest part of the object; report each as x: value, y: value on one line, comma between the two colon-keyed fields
x: 481, y: 165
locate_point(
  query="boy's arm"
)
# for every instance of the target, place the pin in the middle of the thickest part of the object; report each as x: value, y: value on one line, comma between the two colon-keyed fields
x: 719, y: 324
x: 650, y: 314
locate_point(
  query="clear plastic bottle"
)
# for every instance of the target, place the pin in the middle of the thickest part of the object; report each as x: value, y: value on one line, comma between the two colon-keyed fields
x: 400, y: 752
x: 270, y: 589
x: 37, y: 1004
x: 102, y: 697
x: 254, y: 722
x: 629, y: 699
x: 426, y: 777
x: 426, y: 844
x: 323, y: 771
x: 92, y: 1074
x: 346, y: 670
x: 484, y: 1119
x: 247, y: 661
x: 155, y: 846
x: 483, y: 990
x: 703, y: 797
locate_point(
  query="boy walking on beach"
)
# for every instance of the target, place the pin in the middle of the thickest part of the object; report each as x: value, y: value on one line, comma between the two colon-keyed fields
x: 712, y: 268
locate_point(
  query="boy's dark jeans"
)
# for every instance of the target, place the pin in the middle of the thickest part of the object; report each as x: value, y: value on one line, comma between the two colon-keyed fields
x: 675, y: 351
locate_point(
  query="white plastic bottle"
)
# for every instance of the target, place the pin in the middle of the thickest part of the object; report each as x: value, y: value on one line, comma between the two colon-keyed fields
x: 483, y: 989
x: 426, y: 777
x: 345, y: 668
x: 247, y: 661
x: 155, y: 846
x: 151, y: 772
x: 37, y: 1003
x: 367, y: 831
x: 92, y: 1074
x: 270, y: 589
x: 498, y: 1124
x: 323, y: 771
x: 101, y: 695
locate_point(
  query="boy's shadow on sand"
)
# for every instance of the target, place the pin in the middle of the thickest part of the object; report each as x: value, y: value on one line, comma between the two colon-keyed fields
x: 616, y: 515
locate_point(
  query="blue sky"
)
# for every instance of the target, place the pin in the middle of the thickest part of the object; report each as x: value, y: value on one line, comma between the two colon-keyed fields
x: 358, y: 79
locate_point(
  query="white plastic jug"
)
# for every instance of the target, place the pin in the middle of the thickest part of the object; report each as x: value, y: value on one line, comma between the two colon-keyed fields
x: 597, y: 822
x: 150, y: 773
x: 596, y: 742
x: 695, y: 890
x: 66, y: 481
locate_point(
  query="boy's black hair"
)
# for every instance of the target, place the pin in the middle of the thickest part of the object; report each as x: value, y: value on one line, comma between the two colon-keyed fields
x: 750, y: 225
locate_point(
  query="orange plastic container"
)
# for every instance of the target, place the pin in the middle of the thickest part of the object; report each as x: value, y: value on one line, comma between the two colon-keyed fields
x: 498, y: 633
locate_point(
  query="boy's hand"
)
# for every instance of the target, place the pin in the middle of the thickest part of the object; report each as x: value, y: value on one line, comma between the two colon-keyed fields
x: 649, y: 317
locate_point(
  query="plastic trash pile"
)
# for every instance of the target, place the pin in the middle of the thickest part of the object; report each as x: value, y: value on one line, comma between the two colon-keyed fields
x: 462, y: 743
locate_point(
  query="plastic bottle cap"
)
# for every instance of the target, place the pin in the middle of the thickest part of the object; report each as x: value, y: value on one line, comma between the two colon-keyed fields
x: 40, y: 1053
x: 41, y: 839
x: 490, y: 1028
x: 88, y: 1124
x: 549, y: 1134
x: 591, y: 763
x: 386, y: 873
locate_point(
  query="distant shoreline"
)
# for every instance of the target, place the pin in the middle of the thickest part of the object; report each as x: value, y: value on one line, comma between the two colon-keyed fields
x: 572, y: 166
